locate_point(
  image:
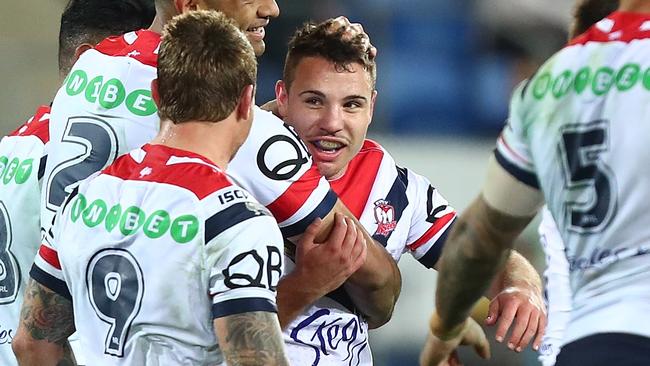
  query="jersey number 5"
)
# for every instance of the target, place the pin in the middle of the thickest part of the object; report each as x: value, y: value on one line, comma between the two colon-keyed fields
x: 590, y: 183
x: 116, y: 287
x: 9, y: 271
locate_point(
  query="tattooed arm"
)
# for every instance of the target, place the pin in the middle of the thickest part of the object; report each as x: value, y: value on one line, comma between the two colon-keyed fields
x: 251, y: 339
x: 46, y: 322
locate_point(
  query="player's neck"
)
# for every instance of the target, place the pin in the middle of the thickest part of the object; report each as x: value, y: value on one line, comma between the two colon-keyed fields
x: 213, y: 141
x: 636, y: 6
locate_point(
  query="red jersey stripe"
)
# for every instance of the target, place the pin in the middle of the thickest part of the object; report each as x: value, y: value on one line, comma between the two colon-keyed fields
x: 50, y: 256
x: 355, y: 186
x: 433, y: 230
x: 38, y: 125
x: 200, y: 179
x: 296, y: 195
x: 143, y: 48
x: 618, y: 26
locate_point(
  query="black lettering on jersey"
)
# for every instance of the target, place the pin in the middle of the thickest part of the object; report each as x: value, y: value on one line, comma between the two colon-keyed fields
x: 431, y: 211
x: 239, y: 280
x: 288, y: 168
x: 232, y: 195
x: 274, y: 265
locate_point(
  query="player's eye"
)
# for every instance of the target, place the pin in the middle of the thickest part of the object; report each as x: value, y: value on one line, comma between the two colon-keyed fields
x: 352, y: 105
x: 314, y: 101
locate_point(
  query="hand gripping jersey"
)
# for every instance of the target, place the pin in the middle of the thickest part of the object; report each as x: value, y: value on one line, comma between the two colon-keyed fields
x: 403, y: 212
x: 151, y: 250
x: 580, y: 131
x: 557, y: 290
x: 22, y: 162
x: 105, y: 109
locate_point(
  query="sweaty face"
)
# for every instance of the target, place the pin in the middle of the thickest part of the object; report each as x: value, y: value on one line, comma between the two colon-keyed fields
x: 330, y: 109
x: 251, y: 15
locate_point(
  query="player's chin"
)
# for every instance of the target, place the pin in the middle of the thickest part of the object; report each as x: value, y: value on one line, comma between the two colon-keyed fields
x: 258, y: 46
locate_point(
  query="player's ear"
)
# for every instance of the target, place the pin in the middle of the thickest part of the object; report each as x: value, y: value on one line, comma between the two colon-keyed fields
x: 81, y: 49
x: 246, y: 103
x: 154, y: 92
x: 183, y: 6
x: 282, y: 98
x: 373, y: 99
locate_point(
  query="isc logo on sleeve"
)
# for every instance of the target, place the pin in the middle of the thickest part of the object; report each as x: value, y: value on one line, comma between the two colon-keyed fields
x: 131, y: 219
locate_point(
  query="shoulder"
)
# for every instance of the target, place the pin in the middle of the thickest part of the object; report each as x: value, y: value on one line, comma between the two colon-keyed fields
x: 192, y: 174
x: 38, y: 125
x: 140, y: 45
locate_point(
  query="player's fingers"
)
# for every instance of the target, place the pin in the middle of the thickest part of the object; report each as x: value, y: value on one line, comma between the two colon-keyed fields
x: 521, y: 324
x: 360, y: 250
x: 541, y: 328
x: 530, y: 331
x: 350, y: 238
x: 505, y: 320
x: 454, y: 360
x: 493, y: 312
x: 476, y: 337
x: 339, y: 231
x: 308, y: 237
x: 340, y: 22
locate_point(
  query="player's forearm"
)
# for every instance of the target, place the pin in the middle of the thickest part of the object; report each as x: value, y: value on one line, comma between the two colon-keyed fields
x: 42, y: 353
x: 293, y: 296
x: 477, y: 248
x: 375, y: 286
x: 517, y: 273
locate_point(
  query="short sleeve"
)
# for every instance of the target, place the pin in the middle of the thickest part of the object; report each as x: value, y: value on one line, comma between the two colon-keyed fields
x: 431, y: 221
x: 274, y: 165
x: 512, y: 151
x: 243, y: 254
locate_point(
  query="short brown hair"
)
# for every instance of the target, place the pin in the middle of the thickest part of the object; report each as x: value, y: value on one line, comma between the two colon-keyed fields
x: 204, y: 64
x: 319, y: 40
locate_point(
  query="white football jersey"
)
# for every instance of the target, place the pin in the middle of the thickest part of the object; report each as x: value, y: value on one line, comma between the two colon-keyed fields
x: 557, y: 289
x: 402, y: 211
x: 152, y: 250
x: 105, y: 109
x: 579, y: 131
x: 22, y: 161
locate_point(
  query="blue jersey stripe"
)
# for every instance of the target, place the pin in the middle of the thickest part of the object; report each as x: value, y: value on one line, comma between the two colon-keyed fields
x: 324, y: 208
x: 430, y: 258
x: 522, y: 175
x: 242, y: 305
x: 231, y: 216
x: 50, y: 281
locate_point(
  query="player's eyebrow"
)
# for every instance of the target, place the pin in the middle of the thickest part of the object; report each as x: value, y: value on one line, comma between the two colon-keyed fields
x: 351, y: 97
x: 322, y: 95
x: 319, y: 93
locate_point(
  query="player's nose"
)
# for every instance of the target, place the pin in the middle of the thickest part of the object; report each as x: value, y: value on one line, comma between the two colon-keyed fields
x: 332, y: 120
x: 268, y: 9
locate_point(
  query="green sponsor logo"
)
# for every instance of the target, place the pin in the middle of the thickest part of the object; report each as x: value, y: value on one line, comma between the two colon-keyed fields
x: 599, y: 81
x: 582, y: 80
x: 627, y: 77
x: 140, y: 103
x: 110, y: 94
x: 10, y: 170
x: 78, y: 206
x: 77, y: 82
x: 182, y: 230
x: 15, y: 170
x: 157, y: 224
x: 542, y: 85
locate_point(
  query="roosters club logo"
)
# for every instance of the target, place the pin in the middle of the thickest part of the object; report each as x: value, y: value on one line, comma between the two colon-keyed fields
x: 385, y: 218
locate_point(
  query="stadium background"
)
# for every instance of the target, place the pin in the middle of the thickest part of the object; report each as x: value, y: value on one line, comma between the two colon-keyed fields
x: 445, y: 72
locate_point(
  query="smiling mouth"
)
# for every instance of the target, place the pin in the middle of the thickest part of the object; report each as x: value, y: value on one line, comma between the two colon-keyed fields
x: 327, y: 146
x: 259, y: 31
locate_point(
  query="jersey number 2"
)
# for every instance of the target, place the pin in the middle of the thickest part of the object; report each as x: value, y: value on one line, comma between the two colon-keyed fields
x: 9, y: 270
x: 115, y: 287
x: 591, y: 190
x: 99, y: 141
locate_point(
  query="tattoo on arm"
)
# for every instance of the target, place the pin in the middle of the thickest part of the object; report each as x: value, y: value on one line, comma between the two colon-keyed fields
x: 47, y: 315
x: 477, y: 248
x: 252, y: 338
x: 68, y: 357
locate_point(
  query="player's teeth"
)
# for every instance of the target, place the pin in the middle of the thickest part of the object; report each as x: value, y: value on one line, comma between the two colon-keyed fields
x: 331, y: 145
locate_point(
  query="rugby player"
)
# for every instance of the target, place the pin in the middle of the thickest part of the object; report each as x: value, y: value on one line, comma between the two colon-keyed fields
x: 328, y: 95
x: 162, y: 243
x: 557, y: 291
x: 106, y: 109
x: 571, y: 140
x: 23, y: 156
